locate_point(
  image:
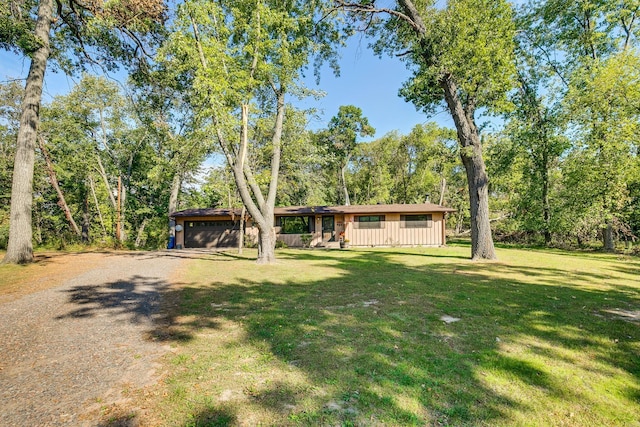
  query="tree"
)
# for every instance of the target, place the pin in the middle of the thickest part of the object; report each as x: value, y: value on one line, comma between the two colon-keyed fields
x: 76, y: 26
x: 10, y: 97
x: 588, y: 47
x: 165, y: 109
x: 245, y: 57
x: 462, y: 56
x: 535, y: 130
x: 340, y: 137
x: 405, y: 168
x: 608, y: 127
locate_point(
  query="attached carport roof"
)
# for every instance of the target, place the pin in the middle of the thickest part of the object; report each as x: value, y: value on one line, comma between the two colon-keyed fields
x: 322, y: 210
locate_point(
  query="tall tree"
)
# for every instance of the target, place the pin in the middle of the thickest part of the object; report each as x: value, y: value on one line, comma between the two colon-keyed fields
x: 76, y: 26
x: 11, y: 95
x: 245, y: 57
x: 340, y: 138
x: 461, y: 55
x: 589, y: 48
x: 165, y: 108
x: 535, y: 130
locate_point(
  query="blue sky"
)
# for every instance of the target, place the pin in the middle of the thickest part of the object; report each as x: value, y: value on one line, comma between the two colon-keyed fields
x: 372, y: 84
x: 365, y: 81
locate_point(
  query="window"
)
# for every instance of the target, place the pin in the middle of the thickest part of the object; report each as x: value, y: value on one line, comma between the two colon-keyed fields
x: 222, y: 225
x: 416, y: 221
x: 295, y: 224
x: 369, y: 222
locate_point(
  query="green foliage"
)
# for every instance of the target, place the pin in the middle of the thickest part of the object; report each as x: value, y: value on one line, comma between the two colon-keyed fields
x: 88, y: 33
x: 468, y: 39
x: 583, y: 54
x: 343, y: 130
x: 95, y: 129
x: 16, y: 28
x: 337, y: 144
x: 405, y: 168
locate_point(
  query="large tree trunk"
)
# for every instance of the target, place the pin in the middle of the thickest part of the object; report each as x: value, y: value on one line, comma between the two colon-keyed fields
x: 260, y: 209
x: 470, y: 149
x: 477, y: 179
x: 241, y: 238
x: 20, y: 247
x: 176, y: 184
x: 609, y: 237
x: 266, y: 245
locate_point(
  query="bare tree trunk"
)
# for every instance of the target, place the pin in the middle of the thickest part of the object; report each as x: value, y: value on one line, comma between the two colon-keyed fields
x: 86, y: 219
x: 140, y: 235
x: 477, y: 179
x: 105, y: 179
x: 266, y: 246
x: 345, y: 192
x: 261, y: 210
x: 443, y: 189
x: 20, y: 247
x: 241, y: 238
x: 54, y: 183
x: 95, y: 200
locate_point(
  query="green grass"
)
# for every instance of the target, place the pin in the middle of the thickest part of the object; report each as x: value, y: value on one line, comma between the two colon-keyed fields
x: 356, y: 338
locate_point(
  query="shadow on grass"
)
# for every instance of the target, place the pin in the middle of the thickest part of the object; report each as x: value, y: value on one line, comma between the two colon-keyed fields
x: 373, y: 338
x: 371, y: 342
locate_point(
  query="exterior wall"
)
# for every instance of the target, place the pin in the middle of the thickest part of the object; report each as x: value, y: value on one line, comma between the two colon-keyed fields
x: 295, y: 240
x: 250, y: 229
x: 393, y: 235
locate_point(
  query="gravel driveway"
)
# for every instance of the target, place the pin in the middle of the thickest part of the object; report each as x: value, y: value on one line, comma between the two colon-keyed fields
x: 68, y: 350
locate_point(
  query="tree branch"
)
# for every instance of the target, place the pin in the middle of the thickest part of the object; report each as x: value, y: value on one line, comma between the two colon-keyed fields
x: 411, y: 16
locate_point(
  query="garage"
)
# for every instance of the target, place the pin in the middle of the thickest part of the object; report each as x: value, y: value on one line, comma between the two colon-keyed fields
x: 211, y: 234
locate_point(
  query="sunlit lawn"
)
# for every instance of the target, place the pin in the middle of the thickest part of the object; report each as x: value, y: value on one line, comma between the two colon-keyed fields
x: 356, y: 337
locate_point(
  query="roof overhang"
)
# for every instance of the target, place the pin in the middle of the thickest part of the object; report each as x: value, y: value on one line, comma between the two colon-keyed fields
x: 322, y: 210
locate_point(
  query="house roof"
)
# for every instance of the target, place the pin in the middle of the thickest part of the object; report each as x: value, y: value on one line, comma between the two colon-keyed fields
x: 323, y: 210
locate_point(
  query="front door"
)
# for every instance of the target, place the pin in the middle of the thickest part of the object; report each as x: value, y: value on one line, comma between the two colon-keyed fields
x: 328, y: 228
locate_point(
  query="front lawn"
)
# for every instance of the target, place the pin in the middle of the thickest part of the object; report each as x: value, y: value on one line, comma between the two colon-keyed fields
x: 403, y: 337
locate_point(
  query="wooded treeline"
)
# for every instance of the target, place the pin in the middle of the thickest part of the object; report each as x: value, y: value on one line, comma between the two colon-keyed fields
x: 545, y: 99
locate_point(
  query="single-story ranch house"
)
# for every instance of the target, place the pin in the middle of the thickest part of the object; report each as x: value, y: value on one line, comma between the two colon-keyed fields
x: 320, y: 226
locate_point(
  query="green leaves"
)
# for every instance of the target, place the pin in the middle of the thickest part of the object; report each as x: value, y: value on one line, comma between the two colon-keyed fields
x: 473, y: 41
x: 17, y: 27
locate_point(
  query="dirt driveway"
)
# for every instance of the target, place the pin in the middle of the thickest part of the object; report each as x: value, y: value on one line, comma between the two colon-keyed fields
x: 77, y: 346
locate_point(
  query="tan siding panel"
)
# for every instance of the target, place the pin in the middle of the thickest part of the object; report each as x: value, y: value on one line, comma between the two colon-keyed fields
x: 394, y: 235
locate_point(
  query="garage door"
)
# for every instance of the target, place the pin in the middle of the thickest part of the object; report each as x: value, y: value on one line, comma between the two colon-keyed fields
x: 211, y: 234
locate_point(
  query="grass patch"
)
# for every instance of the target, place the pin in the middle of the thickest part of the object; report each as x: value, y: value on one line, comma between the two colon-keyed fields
x: 356, y: 338
x: 48, y: 269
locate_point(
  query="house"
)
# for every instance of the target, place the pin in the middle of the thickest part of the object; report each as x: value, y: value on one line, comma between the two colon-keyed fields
x: 324, y: 226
